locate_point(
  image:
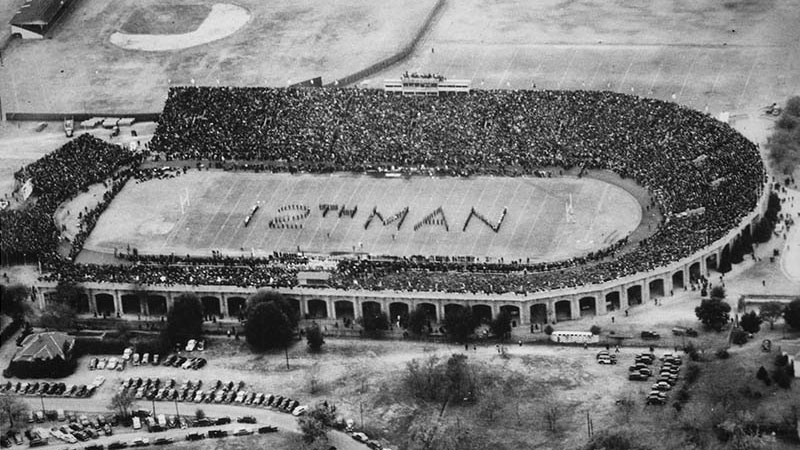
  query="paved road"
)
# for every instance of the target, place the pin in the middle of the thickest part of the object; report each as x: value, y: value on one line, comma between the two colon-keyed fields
x: 285, y: 422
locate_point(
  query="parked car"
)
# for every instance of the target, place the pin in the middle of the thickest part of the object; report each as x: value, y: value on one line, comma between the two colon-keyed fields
x: 112, y: 363
x: 195, y: 436
x: 246, y: 419
x: 117, y: 445
x: 223, y: 421
x: 650, y: 335
x: 300, y: 410
x: 190, y: 345
x: 201, y: 345
x: 636, y: 376
x: 156, y: 359
x: 140, y: 442
x: 217, y: 434
x: 93, y: 363
x: 162, y: 441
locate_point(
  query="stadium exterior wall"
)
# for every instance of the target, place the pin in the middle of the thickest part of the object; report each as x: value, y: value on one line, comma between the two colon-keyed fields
x: 593, y: 297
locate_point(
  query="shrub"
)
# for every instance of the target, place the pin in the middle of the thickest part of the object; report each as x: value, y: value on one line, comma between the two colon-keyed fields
x: 739, y: 336
x: 781, y: 377
x: 723, y: 354
x: 762, y: 374
x: 595, y: 329
x: 691, y: 350
x: 781, y: 360
x: 692, y: 373
x: 548, y: 330
x: 92, y: 346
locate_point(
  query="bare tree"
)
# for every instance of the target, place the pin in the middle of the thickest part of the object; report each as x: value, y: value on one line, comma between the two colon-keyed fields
x: 12, y: 409
x: 313, y: 380
x: 123, y: 403
x: 553, y: 413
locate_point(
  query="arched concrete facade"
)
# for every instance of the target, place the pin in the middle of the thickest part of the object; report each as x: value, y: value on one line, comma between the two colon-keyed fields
x: 635, y: 295
x: 563, y: 310
x: 131, y: 304
x: 344, y: 309
x: 613, y: 301
x: 211, y: 305
x: 398, y: 312
x: 514, y: 312
x: 105, y: 304
x: 657, y: 288
x: 317, y: 309
x: 236, y: 305
x: 430, y: 311
x: 370, y: 308
x: 588, y: 306
x: 482, y: 313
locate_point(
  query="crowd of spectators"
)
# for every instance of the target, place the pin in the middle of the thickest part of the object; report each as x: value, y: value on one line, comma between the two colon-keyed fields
x: 29, y: 231
x: 686, y: 159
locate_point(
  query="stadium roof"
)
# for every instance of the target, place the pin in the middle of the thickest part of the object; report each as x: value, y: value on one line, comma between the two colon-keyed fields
x: 38, y: 12
x: 44, y: 346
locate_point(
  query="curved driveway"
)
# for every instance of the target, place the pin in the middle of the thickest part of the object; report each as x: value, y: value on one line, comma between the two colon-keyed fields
x: 284, y: 421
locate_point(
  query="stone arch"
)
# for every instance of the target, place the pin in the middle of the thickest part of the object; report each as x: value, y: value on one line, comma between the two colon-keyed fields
x: 157, y: 305
x: 343, y: 309
x: 677, y: 280
x: 83, y: 303
x: 482, y: 313
x: 656, y: 288
x: 613, y: 301
x: 398, y: 312
x: 588, y: 306
x: 538, y: 313
x: 694, y: 272
x: 514, y: 312
x: 370, y: 308
x: 294, y: 304
x: 711, y: 262
x: 211, y: 305
x: 317, y: 309
x: 131, y: 304
x: 635, y: 295
x: 105, y: 304
x: 430, y: 311
x: 451, y: 308
x: 563, y: 310
x: 236, y: 305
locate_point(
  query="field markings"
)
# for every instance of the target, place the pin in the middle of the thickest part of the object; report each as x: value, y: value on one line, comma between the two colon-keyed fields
x: 185, y: 217
x: 509, y: 201
x: 688, y: 74
x: 256, y: 219
x: 508, y: 67
x: 566, y: 70
x: 321, y: 221
x: 350, y: 200
x: 628, y: 70
x: 716, y: 78
x: 597, y: 210
x: 596, y: 71
x: 536, y: 217
x: 747, y: 81
x: 518, y: 221
x: 653, y: 81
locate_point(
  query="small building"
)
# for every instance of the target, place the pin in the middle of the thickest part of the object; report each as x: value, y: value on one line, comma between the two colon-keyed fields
x: 36, y: 17
x: 44, y: 355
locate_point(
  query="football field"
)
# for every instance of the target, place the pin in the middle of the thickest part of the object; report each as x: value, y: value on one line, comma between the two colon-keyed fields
x: 380, y: 216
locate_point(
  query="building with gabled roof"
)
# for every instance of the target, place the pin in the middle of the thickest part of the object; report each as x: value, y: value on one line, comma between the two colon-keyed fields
x: 43, y: 355
x: 36, y: 17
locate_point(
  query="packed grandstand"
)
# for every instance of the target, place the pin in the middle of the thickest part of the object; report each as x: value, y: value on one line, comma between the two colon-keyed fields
x: 686, y: 160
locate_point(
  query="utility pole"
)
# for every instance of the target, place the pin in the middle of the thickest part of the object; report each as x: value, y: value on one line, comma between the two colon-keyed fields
x: 41, y: 397
x: 286, y: 352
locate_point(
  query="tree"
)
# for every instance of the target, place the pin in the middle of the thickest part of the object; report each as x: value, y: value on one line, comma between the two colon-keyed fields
x: 199, y: 414
x: 771, y: 312
x: 316, y: 422
x: 501, y: 325
x: 725, y: 260
x: 595, y: 329
x: 268, y: 326
x: 58, y: 316
x: 792, y: 314
x: 313, y: 379
x: 314, y: 337
x: 460, y: 324
x: 12, y: 409
x: 713, y: 313
x: 70, y: 294
x: 548, y: 330
x: 280, y: 301
x: 123, y: 403
x: 614, y: 440
x: 751, y: 322
x: 13, y: 301
x: 718, y: 292
x: 184, y: 320
x: 418, y: 321
x: 435, y: 433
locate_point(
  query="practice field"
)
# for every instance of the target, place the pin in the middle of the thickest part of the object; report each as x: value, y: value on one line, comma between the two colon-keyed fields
x: 148, y: 215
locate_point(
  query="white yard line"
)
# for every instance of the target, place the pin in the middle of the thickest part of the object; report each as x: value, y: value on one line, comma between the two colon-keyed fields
x: 686, y: 77
x: 747, y: 81
x: 566, y: 70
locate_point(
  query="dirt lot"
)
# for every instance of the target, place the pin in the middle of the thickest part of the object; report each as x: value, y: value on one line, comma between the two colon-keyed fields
x: 283, y: 42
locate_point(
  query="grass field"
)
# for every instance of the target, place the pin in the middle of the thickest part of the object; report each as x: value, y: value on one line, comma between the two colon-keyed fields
x: 148, y: 215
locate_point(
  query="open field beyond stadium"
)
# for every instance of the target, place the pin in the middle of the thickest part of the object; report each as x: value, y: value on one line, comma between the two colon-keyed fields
x: 148, y: 216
